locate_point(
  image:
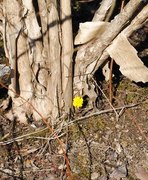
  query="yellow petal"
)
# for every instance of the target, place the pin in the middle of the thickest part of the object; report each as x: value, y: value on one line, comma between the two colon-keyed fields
x: 78, y: 102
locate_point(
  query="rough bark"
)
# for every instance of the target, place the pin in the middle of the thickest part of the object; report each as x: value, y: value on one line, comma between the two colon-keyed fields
x: 88, y: 58
x: 36, y: 48
x: 101, y: 13
x: 136, y: 24
x: 67, y: 52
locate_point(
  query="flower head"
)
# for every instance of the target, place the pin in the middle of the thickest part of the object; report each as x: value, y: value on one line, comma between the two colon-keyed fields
x: 78, y: 102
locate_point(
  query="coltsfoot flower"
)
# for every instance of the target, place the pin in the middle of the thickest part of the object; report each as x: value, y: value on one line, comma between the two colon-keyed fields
x: 78, y: 102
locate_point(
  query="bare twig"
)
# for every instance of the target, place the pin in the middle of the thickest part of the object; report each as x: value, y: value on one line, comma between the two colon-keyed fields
x: 117, y: 116
x: 48, y: 127
x: 94, y: 51
x: 137, y: 23
x: 31, y: 135
x: 111, y: 67
x: 101, y: 13
x: 102, y: 112
x: 110, y: 82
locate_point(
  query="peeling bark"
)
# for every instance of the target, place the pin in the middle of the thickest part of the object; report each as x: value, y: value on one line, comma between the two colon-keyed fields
x: 67, y: 52
x: 89, y: 55
x: 34, y: 45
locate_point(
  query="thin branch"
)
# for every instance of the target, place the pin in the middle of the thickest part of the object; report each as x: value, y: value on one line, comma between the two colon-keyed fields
x: 48, y: 126
x: 102, y: 112
x: 94, y: 51
x: 136, y: 23
x: 117, y: 115
x: 101, y: 13
x: 110, y: 81
x: 111, y: 68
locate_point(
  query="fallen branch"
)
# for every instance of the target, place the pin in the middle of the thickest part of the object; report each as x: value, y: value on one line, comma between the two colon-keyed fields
x: 95, y: 49
x: 101, y: 13
x: 136, y: 24
x: 103, y: 112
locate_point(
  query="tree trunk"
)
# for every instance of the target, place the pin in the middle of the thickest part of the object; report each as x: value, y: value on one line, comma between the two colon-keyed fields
x: 40, y: 56
x: 38, y: 43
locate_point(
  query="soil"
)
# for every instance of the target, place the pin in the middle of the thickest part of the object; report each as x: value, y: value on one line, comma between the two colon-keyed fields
x: 98, y: 146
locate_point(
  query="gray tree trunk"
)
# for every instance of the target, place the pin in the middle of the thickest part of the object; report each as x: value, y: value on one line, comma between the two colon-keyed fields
x: 38, y: 43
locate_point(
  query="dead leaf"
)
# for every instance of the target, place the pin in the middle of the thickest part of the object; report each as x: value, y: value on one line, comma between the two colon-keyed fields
x: 89, y: 31
x: 125, y: 55
x: 119, y: 172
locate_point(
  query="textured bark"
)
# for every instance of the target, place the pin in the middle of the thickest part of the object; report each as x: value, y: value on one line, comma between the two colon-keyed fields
x: 118, y: 23
x: 89, y: 55
x: 38, y: 43
x: 67, y: 51
x: 34, y: 45
x: 136, y: 24
x: 101, y: 13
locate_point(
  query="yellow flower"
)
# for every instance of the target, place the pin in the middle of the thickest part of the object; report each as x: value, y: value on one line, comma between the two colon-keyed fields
x: 78, y: 102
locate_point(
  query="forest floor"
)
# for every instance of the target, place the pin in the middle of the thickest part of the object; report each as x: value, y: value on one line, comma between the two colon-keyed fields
x: 111, y: 144
x: 101, y: 144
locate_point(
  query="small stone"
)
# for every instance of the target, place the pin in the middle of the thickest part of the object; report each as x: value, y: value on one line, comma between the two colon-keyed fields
x: 94, y: 175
